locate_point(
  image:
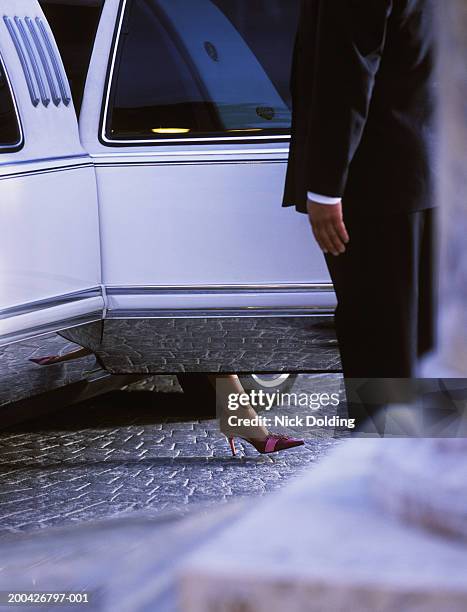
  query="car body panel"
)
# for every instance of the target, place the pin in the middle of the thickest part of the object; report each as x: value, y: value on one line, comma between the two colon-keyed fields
x: 50, y: 250
x: 163, y: 256
x: 204, y: 216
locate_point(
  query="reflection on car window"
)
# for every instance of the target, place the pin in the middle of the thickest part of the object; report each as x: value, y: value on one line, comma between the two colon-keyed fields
x: 190, y: 68
x: 10, y: 134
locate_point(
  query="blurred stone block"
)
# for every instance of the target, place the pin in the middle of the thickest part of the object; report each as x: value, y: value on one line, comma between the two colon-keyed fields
x: 324, y: 543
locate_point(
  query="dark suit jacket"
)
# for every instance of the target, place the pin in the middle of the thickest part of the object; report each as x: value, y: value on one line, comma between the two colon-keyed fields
x: 363, y: 105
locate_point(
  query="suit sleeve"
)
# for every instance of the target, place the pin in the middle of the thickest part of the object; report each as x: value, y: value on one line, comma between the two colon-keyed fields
x: 350, y: 42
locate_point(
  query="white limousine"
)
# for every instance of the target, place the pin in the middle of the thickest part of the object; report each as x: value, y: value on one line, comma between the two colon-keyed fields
x: 143, y: 151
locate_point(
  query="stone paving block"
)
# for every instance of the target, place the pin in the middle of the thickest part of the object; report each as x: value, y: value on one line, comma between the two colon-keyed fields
x: 325, y: 543
x: 128, y: 563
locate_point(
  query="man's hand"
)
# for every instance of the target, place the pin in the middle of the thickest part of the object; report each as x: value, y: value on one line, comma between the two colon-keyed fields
x: 328, y: 226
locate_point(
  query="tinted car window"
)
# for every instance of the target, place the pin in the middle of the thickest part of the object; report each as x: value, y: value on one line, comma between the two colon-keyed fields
x: 74, y: 25
x: 10, y: 133
x: 192, y: 68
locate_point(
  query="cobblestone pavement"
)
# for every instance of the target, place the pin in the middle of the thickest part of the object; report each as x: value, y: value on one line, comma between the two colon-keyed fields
x: 122, y: 456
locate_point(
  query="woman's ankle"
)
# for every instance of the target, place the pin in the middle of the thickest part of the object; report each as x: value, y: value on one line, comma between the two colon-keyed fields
x: 246, y: 424
x: 251, y: 432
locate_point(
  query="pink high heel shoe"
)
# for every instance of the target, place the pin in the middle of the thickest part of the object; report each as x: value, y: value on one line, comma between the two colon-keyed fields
x: 272, y: 444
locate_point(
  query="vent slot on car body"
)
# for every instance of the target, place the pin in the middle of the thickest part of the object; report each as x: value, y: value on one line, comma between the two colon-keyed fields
x: 42, y: 68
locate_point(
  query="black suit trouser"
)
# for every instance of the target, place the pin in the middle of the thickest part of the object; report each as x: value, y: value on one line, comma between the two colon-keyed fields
x: 386, y: 287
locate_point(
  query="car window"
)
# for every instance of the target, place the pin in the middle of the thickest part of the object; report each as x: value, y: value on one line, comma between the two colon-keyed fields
x: 188, y: 69
x: 10, y: 131
x: 74, y: 25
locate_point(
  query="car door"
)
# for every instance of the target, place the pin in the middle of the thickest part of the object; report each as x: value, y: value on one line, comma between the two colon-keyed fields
x: 50, y: 276
x: 188, y: 123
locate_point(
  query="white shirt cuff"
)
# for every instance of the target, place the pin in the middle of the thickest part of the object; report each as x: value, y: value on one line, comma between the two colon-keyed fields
x: 322, y: 199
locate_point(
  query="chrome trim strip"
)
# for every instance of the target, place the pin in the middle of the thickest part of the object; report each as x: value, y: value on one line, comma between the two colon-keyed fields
x: 91, y: 164
x: 22, y: 58
x: 94, y: 160
x: 218, y: 313
x: 154, y: 313
x: 20, y: 142
x: 48, y: 328
x: 66, y: 96
x: 45, y: 64
x: 159, y: 141
x: 32, y: 58
x: 219, y: 289
x: 75, y: 296
x: 45, y: 171
x: 193, y: 162
x: 29, y: 162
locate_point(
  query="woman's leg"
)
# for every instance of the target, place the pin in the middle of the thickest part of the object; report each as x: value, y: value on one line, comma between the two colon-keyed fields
x: 225, y: 384
x: 222, y: 385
